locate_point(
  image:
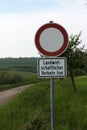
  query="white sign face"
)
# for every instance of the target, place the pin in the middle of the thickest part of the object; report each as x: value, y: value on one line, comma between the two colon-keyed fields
x: 51, y: 39
x: 52, y: 67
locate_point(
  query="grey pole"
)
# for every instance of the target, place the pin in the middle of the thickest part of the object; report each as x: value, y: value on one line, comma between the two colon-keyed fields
x: 52, y: 102
x: 52, y: 99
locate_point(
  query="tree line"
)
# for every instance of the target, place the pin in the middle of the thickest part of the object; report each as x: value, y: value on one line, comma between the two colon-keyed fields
x: 19, y: 64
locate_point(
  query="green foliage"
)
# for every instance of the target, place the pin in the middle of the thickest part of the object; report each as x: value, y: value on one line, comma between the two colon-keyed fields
x: 31, y: 109
x: 79, y: 72
x: 19, y: 64
x: 27, y: 111
x: 71, y: 112
x: 76, y: 59
x: 85, y: 60
x: 10, y: 79
x: 17, y: 71
x: 75, y: 54
x: 38, y: 121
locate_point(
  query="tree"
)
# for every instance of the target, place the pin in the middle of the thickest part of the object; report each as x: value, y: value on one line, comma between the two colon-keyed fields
x: 75, y: 56
x: 85, y: 59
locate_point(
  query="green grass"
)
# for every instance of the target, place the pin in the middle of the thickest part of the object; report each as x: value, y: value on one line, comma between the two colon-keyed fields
x: 31, y: 109
x: 71, y: 113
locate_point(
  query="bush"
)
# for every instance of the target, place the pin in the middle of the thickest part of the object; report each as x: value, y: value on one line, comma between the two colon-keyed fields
x: 38, y: 121
x: 10, y: 78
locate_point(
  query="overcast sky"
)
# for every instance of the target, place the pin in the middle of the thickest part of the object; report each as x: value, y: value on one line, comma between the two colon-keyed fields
x: 20, y: 19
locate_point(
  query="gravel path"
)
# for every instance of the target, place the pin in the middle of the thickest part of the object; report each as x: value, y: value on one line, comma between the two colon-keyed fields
x: 6, y: 95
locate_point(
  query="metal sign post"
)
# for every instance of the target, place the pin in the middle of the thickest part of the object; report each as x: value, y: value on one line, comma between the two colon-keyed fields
x: 52, y: 101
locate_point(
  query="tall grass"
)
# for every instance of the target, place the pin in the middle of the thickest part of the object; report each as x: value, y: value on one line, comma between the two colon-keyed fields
x: 71, y: 107
x: 31, y: 109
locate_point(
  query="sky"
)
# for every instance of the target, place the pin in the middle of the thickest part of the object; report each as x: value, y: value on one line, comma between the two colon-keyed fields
x: 20, y: 20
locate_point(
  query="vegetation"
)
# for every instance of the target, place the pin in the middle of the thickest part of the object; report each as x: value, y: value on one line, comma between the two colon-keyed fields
x: 17, y: 71
x: 76, y: 58
x: 19, y: 64
x: 31, y: 109
x: 10, y: 79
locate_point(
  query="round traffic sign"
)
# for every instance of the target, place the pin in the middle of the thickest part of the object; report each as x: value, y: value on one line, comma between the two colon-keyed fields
x: 51, y: 39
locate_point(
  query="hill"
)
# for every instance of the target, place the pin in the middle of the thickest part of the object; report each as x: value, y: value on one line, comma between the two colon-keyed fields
x: 19, y: 64
x: 17, y: 71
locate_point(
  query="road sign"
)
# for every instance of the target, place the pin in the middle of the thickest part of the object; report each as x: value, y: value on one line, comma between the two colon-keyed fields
x: 51, y: 39
x: 52, y: 67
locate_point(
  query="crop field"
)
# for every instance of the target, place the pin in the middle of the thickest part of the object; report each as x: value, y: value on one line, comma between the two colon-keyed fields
x: 31, y: 109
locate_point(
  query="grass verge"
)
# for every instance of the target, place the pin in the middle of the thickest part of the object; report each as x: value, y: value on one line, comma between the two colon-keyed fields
x: 31, y: 109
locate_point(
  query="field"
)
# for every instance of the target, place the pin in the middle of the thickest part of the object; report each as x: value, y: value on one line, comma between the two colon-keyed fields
x: 18, y: 64
x: 10, y: 79
x: 31, y: 109
x: 17, y: 71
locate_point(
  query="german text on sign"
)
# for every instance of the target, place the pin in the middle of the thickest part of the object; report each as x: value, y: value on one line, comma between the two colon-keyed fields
x: 52, y: 67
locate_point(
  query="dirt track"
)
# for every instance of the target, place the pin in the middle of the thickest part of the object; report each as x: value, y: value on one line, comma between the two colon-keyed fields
x: 8, y: 94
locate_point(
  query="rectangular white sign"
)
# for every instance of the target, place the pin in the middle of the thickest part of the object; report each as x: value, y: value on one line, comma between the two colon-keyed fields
x: 52, y: 67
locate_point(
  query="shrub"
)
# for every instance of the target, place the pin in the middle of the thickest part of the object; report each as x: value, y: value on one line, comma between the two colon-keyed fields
x: 10, y: 78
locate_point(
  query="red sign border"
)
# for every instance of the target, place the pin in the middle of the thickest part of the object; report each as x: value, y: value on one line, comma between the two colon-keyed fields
x: 59, y: 51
